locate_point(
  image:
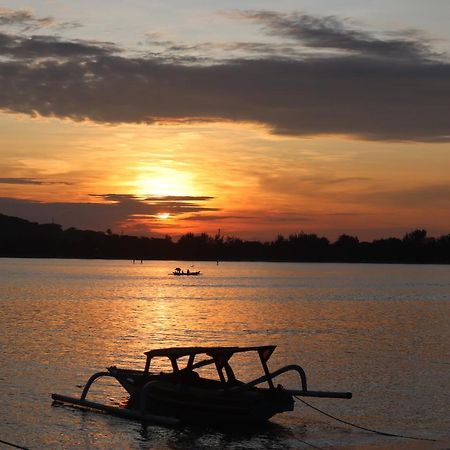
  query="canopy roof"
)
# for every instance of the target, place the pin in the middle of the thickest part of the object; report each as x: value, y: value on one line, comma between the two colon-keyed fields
x: 178, y: 352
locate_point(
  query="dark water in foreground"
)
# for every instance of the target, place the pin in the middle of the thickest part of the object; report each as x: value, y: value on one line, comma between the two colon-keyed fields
x: 380, y: 331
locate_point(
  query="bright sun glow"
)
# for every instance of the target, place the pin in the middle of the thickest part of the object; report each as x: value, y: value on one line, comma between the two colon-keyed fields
x: 165, y: 182
x: 163, y: 216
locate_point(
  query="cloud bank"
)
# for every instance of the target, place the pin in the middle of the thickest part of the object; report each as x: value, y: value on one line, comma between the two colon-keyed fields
x: 27, y: 181
x: 23, y: 18
x: 353, y: 83
x: 115, y: 209
x: 331, y: 33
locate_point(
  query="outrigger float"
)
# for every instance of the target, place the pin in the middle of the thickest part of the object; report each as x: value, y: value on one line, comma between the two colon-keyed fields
x: 182, y: 395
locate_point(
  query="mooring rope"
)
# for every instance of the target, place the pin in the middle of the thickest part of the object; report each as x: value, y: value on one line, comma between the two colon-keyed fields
x: 13, y: 445
x: 383, y: 433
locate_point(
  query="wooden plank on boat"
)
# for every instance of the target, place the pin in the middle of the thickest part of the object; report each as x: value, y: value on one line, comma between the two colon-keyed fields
x: 121, y: 412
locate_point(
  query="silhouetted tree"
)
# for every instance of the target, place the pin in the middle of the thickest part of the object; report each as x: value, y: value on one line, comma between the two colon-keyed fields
x: 415, y: 237
x: 21, y: 238
x: 346, y: 248
x: 414, y: 245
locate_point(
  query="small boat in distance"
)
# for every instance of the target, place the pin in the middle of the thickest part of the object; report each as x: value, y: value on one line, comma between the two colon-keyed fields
x: 179, y: 272
x: 187, y: 392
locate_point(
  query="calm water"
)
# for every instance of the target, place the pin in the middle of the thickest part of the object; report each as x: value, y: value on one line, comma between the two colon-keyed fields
x: 380, y: 331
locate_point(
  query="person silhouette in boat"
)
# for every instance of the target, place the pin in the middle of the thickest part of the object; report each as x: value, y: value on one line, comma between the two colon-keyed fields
x: 187, y: 272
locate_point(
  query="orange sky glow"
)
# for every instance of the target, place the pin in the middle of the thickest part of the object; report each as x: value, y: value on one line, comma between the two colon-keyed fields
x: 260, y: 184
x: 304, y: 121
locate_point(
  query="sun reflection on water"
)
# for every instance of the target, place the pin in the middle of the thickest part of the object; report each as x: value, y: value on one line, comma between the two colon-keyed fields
x: 73, y: 318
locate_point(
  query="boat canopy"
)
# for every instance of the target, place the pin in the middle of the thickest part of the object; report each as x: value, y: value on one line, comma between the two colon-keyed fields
x: 218, y: 355
x: 178, y: 352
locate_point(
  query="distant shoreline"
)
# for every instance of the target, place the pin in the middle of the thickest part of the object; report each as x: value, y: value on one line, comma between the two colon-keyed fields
x: 231, y: 260
x: 20, y: 238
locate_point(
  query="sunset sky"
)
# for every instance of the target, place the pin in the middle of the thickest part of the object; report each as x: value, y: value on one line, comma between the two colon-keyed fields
x: 257, y: 118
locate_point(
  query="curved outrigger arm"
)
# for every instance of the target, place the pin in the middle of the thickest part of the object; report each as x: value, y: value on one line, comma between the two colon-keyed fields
x: 303, y: 392
x: 128, y: 413
x: 271, y: 376
x: 91, y: 380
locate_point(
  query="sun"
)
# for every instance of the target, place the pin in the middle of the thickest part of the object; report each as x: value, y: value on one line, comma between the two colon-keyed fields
x: 165, y: 182
x: 163, y: 216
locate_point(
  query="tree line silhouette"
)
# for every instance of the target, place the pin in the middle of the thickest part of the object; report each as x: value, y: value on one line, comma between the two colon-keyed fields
x: 21, y: 238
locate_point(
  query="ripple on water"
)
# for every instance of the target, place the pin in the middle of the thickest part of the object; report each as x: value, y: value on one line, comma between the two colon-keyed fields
x: 379, y: 331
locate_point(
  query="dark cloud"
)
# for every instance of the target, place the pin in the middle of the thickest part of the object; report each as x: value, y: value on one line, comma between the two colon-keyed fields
x: 70, y: 25
x: 43, y: 47
x: 331, y: 33
x: 20, y: 181
x: 23, y: 18
x: 178, y: 198
x: 117, y: 198
x: 95, y: 215
x: 208, y: 52
x: 265, y: 49
x: 29, y: 181
x: 179, y: 203
x: 216, y: 217
x: 404, y: 98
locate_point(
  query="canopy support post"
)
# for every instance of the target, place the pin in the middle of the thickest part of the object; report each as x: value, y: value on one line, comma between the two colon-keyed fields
x: 266, y: 370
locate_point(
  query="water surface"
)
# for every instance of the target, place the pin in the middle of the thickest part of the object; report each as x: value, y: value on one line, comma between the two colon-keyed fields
x: 380, y: 331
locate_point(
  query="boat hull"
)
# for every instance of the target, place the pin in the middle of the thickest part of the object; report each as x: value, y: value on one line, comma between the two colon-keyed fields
x: 184, y: 274
x: 202, y: 400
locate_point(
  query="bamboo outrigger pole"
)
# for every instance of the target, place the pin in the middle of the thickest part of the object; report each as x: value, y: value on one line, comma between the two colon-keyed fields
x: 121, y: 412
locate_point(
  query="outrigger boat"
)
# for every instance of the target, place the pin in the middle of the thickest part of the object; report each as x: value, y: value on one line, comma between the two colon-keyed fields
x: 183, y: 395
x: 179, y: 272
